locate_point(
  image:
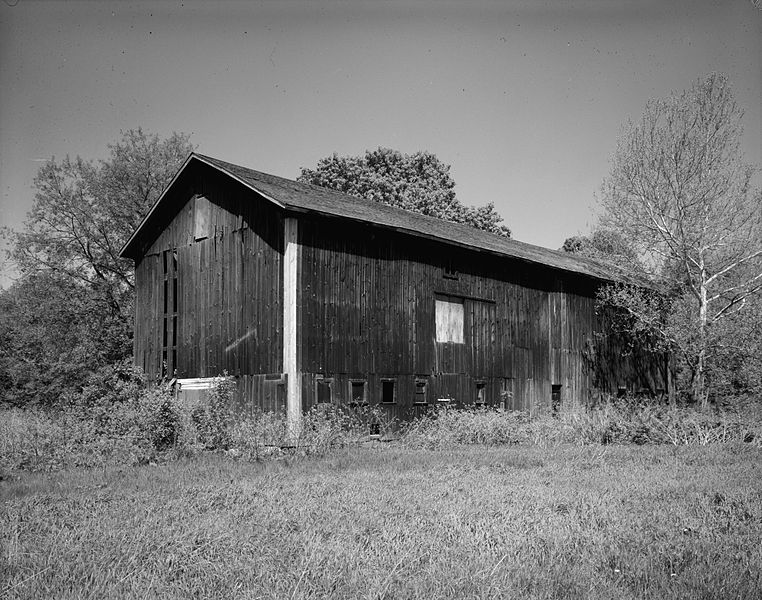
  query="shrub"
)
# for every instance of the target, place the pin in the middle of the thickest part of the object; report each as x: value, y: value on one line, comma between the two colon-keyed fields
x: 157, y: 419
x: 259, y: 435
x: 116, y: 419
x: 323, y: 428
x: 214, y: 418
x: 467, y: 426
x: 326, y: 426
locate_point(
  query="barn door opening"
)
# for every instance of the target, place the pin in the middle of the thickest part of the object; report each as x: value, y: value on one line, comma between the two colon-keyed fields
x: 323, y: 390
x: 169, y: 315
x: 506, y: 394
x: 555, y: 399
x: 481, y: 393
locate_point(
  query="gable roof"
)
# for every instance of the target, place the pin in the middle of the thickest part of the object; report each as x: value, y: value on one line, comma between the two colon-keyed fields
x: 304, y: 197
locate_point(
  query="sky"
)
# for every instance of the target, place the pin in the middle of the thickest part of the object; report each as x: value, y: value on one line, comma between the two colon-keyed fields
x: 525, y: 100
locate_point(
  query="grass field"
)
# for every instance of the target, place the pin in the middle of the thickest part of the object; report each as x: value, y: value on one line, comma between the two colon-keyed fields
x: 388, y: 521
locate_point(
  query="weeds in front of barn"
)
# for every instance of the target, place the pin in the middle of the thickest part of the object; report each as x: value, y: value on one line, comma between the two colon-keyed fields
x: 157, y: 428
x: 150, y: 425
x: 613, y: 422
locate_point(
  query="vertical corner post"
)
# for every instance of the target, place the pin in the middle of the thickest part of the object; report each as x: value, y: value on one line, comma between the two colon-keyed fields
x: 290, y: 364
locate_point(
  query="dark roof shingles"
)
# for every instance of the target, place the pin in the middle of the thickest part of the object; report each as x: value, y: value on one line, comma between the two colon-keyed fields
x: 305, y: 196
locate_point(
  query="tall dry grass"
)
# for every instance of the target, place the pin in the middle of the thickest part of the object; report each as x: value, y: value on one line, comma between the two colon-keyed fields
x: 609, y: 423
x: 155, y: 427
x: 149, y: 424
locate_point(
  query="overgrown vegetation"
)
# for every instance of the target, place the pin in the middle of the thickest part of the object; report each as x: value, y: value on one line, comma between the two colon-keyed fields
x: 611, y: 423
x: 120, y: 418
x: 624, y: 500
x: 70, y: 312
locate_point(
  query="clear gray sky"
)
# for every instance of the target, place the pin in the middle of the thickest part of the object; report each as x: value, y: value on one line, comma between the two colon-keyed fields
x: 524, y: 99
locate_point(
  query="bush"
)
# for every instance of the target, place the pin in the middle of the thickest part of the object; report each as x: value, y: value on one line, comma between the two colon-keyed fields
x: 467, y: 426
x: 213, y: 419
x: 116, y: 419
x: 258, y: 436
x: 323, y: 428
x: 328, y: 426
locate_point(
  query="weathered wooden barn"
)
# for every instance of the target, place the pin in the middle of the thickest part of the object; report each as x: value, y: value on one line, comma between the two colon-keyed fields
x: 306, y: 295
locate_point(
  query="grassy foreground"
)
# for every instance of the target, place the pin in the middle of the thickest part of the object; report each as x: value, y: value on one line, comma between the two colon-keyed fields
x: 386, y: 521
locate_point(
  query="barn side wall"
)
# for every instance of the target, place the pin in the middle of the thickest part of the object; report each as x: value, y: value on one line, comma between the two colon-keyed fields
x: 368, y: 315
x: 224, y: 313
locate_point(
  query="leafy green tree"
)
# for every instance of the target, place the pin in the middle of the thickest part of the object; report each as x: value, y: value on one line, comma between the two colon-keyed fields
x: 70, y: 311
x: 417, y: 182
x: 680, y: 192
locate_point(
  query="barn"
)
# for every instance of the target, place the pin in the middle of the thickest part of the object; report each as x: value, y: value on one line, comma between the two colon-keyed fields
x: 306, y: 295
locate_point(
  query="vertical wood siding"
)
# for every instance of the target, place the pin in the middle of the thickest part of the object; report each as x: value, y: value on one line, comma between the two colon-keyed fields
x: 229, y: 285
x: 368, y: 309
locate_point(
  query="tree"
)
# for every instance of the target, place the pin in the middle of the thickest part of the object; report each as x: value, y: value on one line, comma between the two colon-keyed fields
x: 84, y: 212
x: 73, y: 287
x: 417, y: 182
x: 53, y: 334
x: 606, y: 246
x: 680, y: 192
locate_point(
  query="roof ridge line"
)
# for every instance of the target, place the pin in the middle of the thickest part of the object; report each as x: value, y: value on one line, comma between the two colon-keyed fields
x: 290, y: 194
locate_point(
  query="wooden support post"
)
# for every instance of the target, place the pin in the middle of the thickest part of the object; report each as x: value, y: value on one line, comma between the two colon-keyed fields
x: 290, y: 366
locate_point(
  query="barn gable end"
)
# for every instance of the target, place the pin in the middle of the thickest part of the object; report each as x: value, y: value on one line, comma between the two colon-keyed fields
x: 208, y: 284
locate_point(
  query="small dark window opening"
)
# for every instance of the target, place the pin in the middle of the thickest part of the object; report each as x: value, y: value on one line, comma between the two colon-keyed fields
x: 420, y: 392
x: 387, y: 392
x: 357, y: 393
x: 480, y: 393
x: 323, y: 391
x: 280, y: 395
x: 555, y: 399
x: 449, y: 271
